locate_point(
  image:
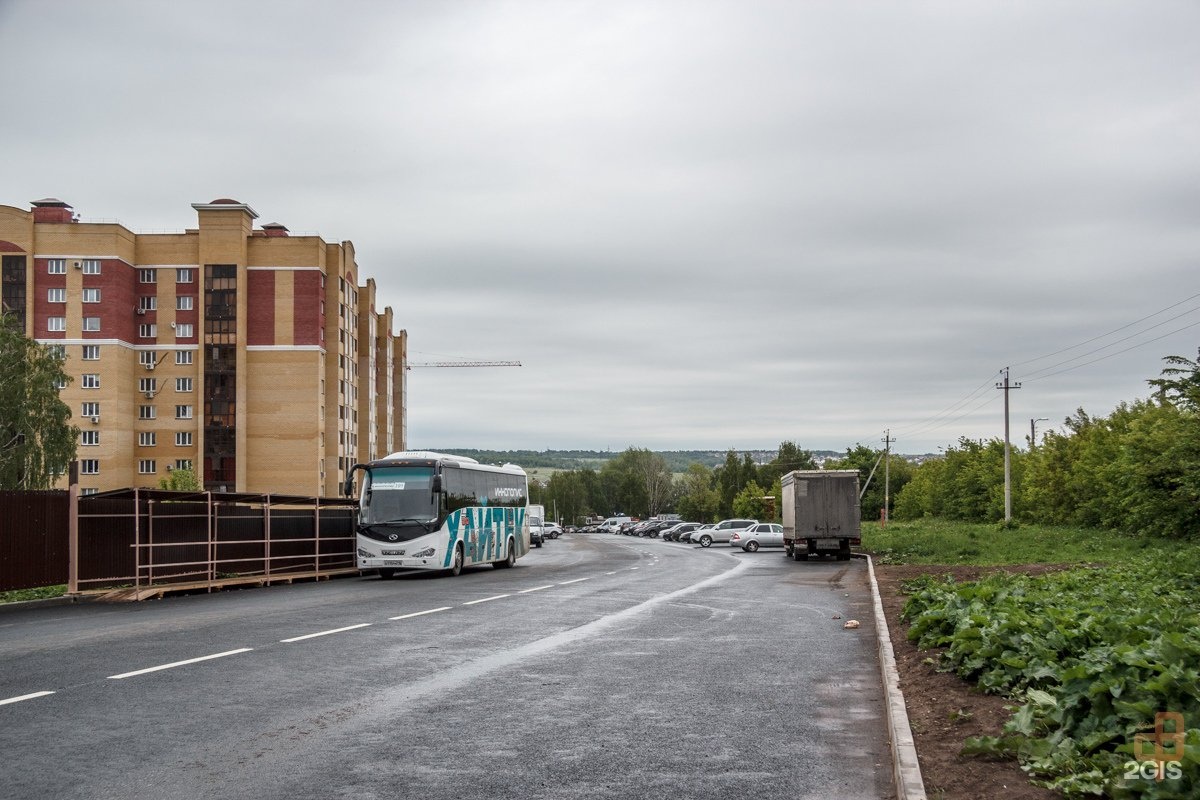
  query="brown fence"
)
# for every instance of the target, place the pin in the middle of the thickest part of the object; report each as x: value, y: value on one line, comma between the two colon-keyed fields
x: 33, y: 539
x: 143, y: 537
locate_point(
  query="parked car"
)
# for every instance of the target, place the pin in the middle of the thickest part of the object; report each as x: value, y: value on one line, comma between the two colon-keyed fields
x: 722, y: 531
x: 764, y: 534
x: 673, y: 533
x: 693, y: 536
x: 552, y: 529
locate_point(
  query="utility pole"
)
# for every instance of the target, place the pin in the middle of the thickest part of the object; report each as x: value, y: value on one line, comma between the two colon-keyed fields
x: 1007, y: 465
x: 1033, y: 430
x: 887, y: 474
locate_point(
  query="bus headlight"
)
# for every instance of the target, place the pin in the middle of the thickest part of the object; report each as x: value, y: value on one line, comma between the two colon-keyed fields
x: 365, y: 553
x: 426, y: 553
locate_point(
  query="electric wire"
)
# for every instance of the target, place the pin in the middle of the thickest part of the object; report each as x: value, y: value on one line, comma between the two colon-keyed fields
x: 1110, y: 355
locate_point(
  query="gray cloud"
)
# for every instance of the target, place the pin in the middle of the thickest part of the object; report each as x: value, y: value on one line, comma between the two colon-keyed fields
x: 702, y: 224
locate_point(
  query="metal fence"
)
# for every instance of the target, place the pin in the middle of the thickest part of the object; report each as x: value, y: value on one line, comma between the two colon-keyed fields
x: 145, y: 537
x: 33, y: 539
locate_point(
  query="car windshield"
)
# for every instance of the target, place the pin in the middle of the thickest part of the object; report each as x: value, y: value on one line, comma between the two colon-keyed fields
x: 398, y: 494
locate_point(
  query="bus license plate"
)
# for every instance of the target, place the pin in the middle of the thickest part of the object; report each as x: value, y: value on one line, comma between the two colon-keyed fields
x: 828, y: 544
x: 393, y: 552
x: 392, y: 562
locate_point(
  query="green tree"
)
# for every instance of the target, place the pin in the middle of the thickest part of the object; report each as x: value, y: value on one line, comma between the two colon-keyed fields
x: 790, y: 457
x: 37, y: 441
x: 180, y: 480
x: 698, y: 499
x: 749, y: 503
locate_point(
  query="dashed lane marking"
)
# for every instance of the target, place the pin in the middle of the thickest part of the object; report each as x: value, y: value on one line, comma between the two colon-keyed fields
x: 422, y: 613
x: 486, y: 599
x: 180, y: 663
x: 325, y: 633
x: 30, y: 696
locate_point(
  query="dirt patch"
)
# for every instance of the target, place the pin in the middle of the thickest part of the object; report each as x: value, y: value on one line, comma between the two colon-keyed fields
x: 944, y: 710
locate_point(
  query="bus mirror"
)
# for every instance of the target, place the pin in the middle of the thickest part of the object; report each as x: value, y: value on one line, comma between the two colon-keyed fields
x: 348, y: 486
x: 435, y: 486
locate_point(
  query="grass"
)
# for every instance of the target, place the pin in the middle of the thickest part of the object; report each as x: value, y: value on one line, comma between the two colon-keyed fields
x: 40, y: 593
x: 935, y: 541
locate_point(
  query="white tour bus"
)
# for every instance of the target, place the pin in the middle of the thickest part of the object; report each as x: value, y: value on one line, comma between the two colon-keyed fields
x: 422, y: 510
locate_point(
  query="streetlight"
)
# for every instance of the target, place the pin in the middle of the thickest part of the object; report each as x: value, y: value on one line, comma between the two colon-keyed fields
x: 1033, y: 430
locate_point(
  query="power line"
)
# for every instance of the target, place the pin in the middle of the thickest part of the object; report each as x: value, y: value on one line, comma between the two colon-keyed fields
x: 1115, y: 330
x: 1110, y: 355
x: 920, y: 425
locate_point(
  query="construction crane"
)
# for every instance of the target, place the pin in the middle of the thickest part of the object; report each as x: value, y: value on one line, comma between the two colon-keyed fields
x: 411, y: 364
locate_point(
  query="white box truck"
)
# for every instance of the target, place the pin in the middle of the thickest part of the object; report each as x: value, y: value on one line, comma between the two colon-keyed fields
x: 821, y: 513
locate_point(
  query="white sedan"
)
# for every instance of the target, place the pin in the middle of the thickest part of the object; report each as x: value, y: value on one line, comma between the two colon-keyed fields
x: 764, y: 534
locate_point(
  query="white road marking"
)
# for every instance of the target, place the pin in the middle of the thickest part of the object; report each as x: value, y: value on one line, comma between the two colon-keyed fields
x: 422, y: 613
x: 536, y: 589
x: 179, y: 663
x: 577, y: 580
x: 485, y: 599
x: 24, y: 697
x: 610, y: 573
x: 326, y: 633
x: 633, y: 567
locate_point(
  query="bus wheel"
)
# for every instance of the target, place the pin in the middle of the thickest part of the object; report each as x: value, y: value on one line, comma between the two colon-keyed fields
x: 510, y: 560
x: 456, y: 564
x: 386, y: 574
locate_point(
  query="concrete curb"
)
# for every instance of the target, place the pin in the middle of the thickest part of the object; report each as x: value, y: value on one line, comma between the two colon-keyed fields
x: 906, y: 770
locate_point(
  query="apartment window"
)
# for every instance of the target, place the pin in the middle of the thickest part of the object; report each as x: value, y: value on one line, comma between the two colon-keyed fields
x: 184, y: 302
x: 91, y: 323
x: 183, y: 412
x: 146, y: 412
x: 147, y: 330
x: 90, y: 410
x: 91, y: 295
x: 91, y: 380
x: 147, y: 302
x: 146, y: 466
x: 147, y: 276
x: 184, y: 330
x: 54, y: 324
x: 61, y: 383
x: 147, y: 439
x: 91, y: 267
x: 148, y: 385
x: 183, y: 356
x: 183, y: 463
x: 89, y: 438
x: 91, y: 352
x: 84, y: 491
x: 183, y: 439
x: 183, y: 276
x: 183, y: 384
x: 147, y: 358
x: 89, y: 466
x: 56, y: 295
x: 56, y: 266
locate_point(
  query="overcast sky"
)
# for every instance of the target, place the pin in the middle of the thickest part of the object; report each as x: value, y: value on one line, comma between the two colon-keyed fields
x: 696, y: 224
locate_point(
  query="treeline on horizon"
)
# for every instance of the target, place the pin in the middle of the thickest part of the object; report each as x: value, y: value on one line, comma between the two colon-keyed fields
x: 677, y: 460
x: 1136, y: 470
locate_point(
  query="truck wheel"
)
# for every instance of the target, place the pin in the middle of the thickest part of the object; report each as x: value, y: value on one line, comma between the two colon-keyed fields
x: 798, y: 554
x: 705, y: 540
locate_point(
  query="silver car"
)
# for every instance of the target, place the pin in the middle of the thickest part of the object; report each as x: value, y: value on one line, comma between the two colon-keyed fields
x: 722, y: 531
x: 764, y: 534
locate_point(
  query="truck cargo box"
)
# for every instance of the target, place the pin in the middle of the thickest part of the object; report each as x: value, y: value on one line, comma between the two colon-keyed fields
x: 820, y: 513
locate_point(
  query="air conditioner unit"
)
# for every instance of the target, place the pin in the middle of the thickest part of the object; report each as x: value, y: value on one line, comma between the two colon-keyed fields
x: 172, y: 326
x: 78, y: 265
x: 149, y: 367
x: 139, y: 311
x: 95, y: 420
x: 149, y: 395
x: 169, y: 468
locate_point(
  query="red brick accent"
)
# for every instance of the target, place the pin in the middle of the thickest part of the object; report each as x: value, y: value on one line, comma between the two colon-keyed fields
x: 9, y: 247
x: 117, y: 283
x: 260, y: 307
x: 307, y: 308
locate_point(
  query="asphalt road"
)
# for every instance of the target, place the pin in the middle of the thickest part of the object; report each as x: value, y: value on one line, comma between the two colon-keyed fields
x: 599, y: 667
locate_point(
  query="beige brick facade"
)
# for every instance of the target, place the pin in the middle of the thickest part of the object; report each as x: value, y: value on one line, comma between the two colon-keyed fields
x: 240, y: 352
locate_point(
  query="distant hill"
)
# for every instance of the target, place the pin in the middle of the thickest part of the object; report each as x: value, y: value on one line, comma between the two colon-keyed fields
x: 677, y: 460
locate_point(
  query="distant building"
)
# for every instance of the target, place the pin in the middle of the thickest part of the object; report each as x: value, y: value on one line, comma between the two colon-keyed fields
x: 251, y: 356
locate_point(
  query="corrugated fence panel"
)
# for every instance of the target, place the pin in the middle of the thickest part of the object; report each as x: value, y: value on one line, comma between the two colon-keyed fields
x: 33, y: 539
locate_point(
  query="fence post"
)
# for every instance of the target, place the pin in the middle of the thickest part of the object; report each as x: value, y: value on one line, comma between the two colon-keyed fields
x: 73, y: 529
x: 267, y: 530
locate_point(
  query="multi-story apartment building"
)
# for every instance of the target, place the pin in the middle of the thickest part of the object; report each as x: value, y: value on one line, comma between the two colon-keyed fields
x: 250, y: 355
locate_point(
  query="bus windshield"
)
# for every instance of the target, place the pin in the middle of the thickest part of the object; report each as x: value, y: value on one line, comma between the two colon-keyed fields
x: 398, y: 494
